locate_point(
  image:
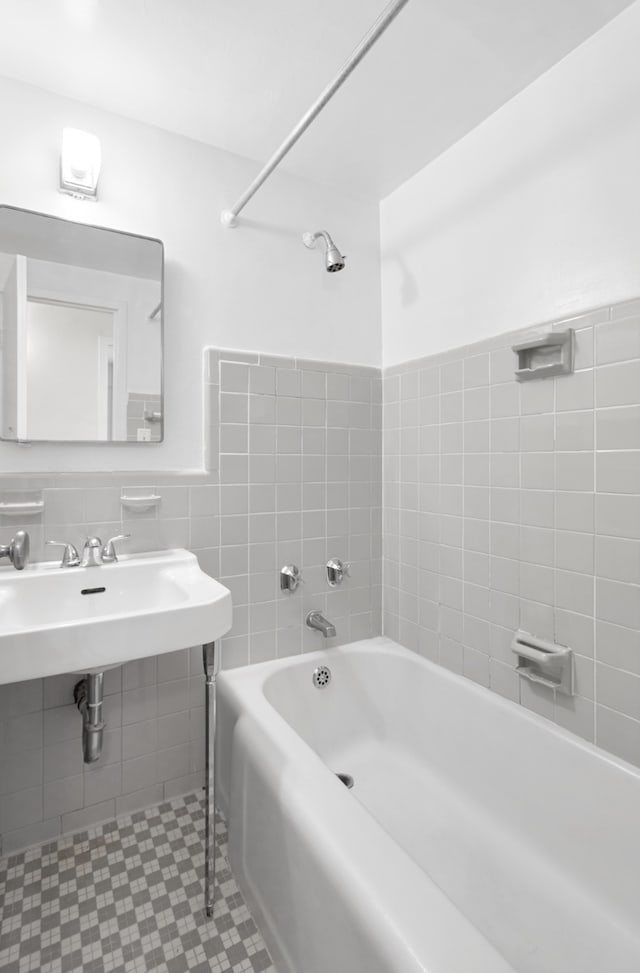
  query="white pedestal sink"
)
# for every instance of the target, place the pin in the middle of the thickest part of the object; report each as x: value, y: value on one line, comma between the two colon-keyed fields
x: 55, y: 620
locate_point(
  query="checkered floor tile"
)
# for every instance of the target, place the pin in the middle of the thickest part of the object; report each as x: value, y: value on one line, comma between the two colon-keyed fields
x: 126, y: 897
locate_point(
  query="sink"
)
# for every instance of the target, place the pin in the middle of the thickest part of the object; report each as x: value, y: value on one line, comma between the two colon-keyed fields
x: 55, y: 620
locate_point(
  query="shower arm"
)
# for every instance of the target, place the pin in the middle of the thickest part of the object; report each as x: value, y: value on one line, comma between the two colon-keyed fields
x: 310, y: 239
x: 229, y: 216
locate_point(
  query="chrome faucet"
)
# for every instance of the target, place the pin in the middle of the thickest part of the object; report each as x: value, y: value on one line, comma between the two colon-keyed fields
x: 17, y: 550
x: 94, y: 552
x: 91, y: 553
x: 319, y: 623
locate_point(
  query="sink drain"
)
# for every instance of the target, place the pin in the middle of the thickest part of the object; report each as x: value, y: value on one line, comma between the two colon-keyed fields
x: 346, y: 779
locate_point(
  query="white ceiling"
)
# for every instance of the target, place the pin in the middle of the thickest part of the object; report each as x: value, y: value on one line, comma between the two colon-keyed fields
x: 239, y: 73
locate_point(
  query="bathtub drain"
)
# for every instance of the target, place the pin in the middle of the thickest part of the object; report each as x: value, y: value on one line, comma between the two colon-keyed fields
x: 346, y: 779
x: 321, y: 677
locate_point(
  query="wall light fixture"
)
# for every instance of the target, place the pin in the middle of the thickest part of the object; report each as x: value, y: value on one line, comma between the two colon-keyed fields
x: 80, y: 164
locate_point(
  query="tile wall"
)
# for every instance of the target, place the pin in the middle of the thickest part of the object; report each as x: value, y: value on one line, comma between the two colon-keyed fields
x: 514, y: 505
x: 298, y: 448
x: 294, y: 476
x: 140, y: 405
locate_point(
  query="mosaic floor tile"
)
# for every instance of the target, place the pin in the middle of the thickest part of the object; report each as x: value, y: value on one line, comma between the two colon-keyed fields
x: 126, y: 897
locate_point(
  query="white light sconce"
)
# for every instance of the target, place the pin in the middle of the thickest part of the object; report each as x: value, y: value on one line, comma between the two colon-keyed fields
x: 80, y: 164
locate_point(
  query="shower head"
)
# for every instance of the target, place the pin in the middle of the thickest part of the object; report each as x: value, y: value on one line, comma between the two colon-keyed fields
x: 334, y: 260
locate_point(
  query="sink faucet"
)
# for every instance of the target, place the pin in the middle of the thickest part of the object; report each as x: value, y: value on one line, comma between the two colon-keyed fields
x: 319, y: 623
x: 94, y: 552
x: 91, y: 553
x: 17, y: 550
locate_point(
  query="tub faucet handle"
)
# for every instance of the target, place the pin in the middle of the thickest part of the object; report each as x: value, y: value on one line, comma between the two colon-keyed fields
x: 290, y: 578
x: 337, y: 571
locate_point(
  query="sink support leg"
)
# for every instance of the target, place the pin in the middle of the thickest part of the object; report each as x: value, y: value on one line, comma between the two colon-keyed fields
x: 211, y: 663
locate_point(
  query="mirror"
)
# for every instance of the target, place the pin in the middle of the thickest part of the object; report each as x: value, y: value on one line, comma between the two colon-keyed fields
x: 80, y: 332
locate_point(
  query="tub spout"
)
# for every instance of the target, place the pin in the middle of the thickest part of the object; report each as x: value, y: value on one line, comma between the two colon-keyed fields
x: 318, y: 622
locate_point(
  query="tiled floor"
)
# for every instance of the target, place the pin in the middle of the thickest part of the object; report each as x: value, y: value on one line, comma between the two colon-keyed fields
x: 126, y: 897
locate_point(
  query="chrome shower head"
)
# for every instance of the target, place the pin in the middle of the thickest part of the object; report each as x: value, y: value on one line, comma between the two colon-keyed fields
x: 334, y: 260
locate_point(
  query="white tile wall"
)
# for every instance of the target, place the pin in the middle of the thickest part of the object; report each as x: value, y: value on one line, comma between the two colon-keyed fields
x: 513, y: 505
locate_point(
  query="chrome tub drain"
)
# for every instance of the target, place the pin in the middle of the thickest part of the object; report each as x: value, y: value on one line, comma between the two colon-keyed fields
x: 321, y: 677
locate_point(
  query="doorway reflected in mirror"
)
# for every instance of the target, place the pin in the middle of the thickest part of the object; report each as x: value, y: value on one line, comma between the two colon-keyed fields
x: 81, y: 320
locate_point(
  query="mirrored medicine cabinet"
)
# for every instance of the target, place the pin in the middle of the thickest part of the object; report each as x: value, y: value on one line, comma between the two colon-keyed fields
x: 81, y: 332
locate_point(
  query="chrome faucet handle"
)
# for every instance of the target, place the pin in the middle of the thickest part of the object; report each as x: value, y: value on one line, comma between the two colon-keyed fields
x: 17, y: 550
x: 109, y: 553
x: 290, y: 578
x: 70, y: 557
x: 337, y: 571
x: 91, y: 553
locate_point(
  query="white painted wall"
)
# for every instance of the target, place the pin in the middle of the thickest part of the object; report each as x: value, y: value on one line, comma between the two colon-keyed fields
x: 534, y: 215
x: 256, y: 287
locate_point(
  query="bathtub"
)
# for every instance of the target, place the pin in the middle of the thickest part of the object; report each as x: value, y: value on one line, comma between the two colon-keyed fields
x: 477, y: 838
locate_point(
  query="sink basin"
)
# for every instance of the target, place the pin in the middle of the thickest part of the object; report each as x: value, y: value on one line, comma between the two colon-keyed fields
x: 55, y: 620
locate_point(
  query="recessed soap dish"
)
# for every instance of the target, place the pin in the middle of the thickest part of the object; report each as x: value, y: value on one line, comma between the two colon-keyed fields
x: 141, y: 503
x: 19, y: 508
x: 545, y: 355
x: 544, y: 662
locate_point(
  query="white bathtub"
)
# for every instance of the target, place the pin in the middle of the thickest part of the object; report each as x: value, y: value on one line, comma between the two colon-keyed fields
x: 477, y: 838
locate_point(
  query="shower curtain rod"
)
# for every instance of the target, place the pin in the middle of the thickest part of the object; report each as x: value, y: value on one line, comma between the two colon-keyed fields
x: 229, y: 216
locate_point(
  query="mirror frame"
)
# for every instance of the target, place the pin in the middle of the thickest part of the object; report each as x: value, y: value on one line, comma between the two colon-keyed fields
x: 102, y: 442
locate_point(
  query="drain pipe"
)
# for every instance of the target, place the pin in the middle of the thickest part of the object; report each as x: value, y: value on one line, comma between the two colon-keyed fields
x: 88, y: 695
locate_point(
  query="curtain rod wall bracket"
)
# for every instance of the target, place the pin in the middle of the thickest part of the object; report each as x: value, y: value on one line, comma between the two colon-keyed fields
x: 228, y: 219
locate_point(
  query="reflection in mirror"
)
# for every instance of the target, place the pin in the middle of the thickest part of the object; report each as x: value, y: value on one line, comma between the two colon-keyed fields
x: 81, y: 330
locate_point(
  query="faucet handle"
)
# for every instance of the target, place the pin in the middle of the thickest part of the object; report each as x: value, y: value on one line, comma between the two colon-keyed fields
x: 337, y: 570
x: 70, y: 558
x: 290, y: 578
x: 109, y: 554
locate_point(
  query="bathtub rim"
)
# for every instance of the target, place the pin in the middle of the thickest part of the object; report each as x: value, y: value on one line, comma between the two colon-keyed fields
x: 257, y: 673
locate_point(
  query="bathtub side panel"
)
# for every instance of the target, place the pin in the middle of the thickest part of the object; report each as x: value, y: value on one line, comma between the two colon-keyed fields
x: 298, y: 907
x: 329, y: 890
